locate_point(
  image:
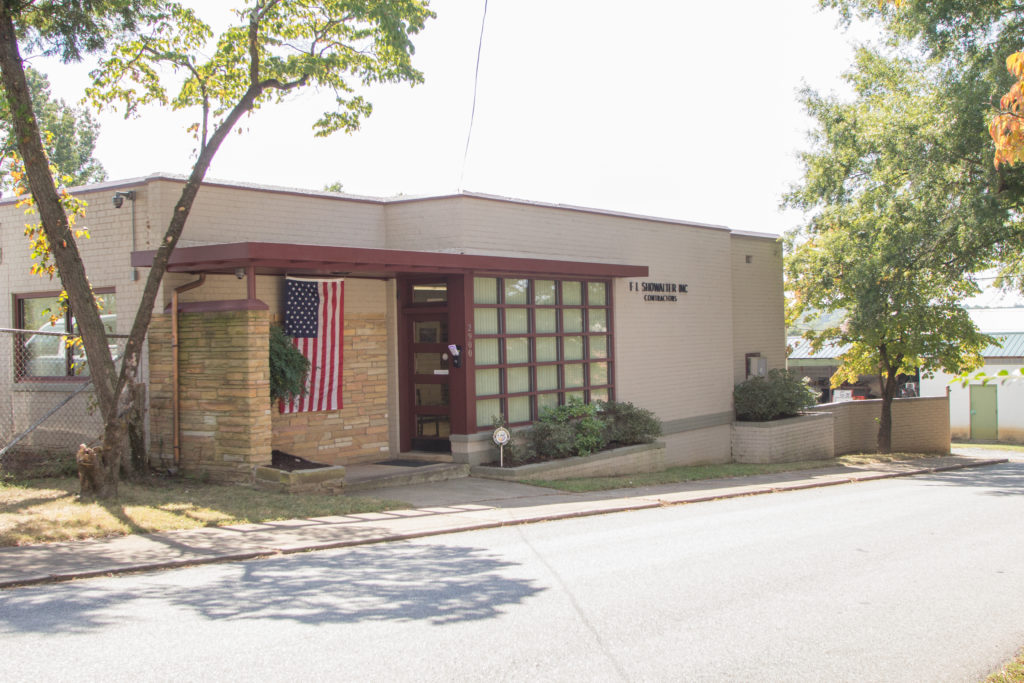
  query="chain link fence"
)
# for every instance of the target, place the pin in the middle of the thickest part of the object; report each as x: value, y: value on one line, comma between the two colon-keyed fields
x: 47, y: 403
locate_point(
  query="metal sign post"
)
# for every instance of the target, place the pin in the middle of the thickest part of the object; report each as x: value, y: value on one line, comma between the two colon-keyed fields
x: 501, y: 437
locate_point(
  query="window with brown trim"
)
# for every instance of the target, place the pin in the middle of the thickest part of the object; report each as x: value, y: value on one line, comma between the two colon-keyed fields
x: 539, y: 343
x: 43, y: 351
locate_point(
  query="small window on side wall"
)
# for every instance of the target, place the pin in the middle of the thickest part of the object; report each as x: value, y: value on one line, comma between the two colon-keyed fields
x: 756, y: 366
x: 42, y: 351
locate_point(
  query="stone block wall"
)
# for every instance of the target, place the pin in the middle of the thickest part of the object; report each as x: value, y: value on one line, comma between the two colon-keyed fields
x: 359, y: 431
x: 224, y: 392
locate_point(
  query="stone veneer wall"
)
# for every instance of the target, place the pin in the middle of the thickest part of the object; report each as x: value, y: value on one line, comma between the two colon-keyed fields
x: 359, y: 431
x: 224, y: 391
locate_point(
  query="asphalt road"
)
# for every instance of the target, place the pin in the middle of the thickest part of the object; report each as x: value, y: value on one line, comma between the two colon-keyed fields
x: 915, y: 579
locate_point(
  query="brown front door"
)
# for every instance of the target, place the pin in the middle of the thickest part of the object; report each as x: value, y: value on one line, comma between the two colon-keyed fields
x: 428, y: 362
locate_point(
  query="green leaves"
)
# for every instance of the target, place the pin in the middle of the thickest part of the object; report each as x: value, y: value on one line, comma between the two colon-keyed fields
x: 275, y: 48
x: 893, y: 208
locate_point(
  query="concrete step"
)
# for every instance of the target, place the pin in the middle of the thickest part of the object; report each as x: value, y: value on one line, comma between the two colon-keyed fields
x: 368, y: 477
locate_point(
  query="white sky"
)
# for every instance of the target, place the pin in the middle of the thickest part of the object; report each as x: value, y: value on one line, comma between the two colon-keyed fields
x: 680, y: 109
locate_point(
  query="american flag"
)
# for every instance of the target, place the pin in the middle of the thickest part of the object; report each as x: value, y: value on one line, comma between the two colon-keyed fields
x: 314, y: 317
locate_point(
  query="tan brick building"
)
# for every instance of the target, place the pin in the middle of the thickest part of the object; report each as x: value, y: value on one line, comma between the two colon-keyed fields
x: 544, y: 303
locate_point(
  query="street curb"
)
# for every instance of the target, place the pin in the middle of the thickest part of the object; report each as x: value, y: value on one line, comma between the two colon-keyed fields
x: 642, y: 503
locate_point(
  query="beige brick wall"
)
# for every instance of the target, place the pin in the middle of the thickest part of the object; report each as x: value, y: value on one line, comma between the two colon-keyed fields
x: 759, y: 324
x: 675, y: 358
x: 808, y: 437
x: 919, y: 425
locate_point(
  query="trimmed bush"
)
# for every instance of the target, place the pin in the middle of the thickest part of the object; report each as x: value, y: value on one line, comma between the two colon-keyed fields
x: 627, y: 425
x: 777, y: 395
x: 578, y: 429
x: 288, y: 367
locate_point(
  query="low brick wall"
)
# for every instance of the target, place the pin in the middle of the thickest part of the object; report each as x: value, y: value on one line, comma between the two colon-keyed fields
x: 919, y: 425
x: 648, y: 457
x: 807, y: 437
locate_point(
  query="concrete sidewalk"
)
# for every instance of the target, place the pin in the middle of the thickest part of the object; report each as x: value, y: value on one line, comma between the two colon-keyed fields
x: 438, y: 508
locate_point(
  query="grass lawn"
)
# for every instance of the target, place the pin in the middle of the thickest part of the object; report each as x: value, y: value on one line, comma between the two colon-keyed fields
x: 1013, y: 672
x: 675, y: 475
x: 47, y: 510
x: 991, y: 446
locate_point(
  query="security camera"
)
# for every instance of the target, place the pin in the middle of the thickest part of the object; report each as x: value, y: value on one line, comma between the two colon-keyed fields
x: 119, y: 197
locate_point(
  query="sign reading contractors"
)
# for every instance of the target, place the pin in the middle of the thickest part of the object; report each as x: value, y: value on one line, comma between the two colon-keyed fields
x: 658, y: 291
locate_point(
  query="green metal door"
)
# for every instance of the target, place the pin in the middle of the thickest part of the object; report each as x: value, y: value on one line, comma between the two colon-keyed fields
x: 984, y: 413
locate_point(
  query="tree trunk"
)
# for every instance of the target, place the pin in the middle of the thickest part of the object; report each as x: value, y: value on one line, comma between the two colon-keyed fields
x: 98, y: 467
x: 888, y: 382
x: 138, y: 461
x: 102, y: 479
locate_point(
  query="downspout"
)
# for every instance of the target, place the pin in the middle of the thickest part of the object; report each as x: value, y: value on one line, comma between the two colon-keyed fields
x: 175, y: 392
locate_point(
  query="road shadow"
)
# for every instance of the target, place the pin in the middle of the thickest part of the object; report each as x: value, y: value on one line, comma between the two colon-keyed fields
x: 1006, y: 479
x: 389, y: 582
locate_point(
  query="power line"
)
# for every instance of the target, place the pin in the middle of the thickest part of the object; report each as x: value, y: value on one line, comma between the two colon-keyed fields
x: 476, y: 81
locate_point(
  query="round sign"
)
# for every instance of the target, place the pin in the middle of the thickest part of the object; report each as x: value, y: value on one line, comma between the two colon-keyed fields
x: 501, y: 436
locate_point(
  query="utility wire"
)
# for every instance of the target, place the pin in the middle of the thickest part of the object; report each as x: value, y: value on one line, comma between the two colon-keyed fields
x: 472, y: 111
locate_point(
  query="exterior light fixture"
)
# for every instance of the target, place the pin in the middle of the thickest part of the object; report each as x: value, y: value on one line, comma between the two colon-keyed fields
x: 119, y: 197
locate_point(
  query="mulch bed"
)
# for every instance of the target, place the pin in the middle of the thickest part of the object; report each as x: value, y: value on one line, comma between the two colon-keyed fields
x: 289, y: 463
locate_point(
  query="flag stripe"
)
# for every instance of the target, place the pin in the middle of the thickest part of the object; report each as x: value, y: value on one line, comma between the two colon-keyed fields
x: 315, y: 317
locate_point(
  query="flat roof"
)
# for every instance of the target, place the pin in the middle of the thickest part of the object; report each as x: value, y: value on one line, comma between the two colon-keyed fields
x: 120, y: 184
x: 272, y: 258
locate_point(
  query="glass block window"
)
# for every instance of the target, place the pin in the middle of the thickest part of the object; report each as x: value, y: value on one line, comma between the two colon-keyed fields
x: 539, y: 343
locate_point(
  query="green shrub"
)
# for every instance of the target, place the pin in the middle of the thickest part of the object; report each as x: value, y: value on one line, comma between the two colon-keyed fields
x: 778, y: 394
x: 626, y: 424
x: 577, y: 429
x: 288, y: 367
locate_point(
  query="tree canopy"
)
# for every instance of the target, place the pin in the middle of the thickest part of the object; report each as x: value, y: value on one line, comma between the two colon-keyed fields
x: 887, y: 191
x: 275, y: 48
x: 70, y: 135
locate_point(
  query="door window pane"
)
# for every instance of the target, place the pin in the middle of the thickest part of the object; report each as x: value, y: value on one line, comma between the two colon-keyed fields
x: 517, y: 350
x: 517, y: 321
x: 519, y: 409
x: 426, y: 363
x: 487, y: 352
x: 433, y: 426
x: 572, y: 320
x: 597, y: 294
x: 572, y: 348
x: 430, y: 332
x: 486, y: 320
x: 485, y: 290
x: 544, y: 292
x: 430, y: 293
x: 488, y: 382
x: 431, y: 394
x: 486, y: 411
x: 516, y: 292
x: 517, y: 380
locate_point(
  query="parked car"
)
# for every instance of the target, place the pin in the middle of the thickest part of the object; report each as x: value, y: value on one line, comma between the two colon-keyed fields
x: 46, y: 354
